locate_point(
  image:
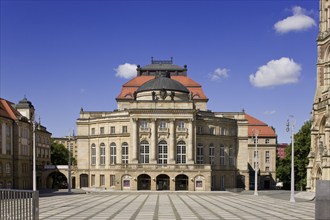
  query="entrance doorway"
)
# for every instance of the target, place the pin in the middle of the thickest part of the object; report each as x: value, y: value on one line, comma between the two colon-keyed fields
x: 83, y: 180
x: 163, y: 182
x: 144, y: 181
x: 181, y: 182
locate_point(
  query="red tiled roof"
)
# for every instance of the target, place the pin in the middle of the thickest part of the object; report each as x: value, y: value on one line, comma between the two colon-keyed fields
x: 256, y: 125
x: 7, y: 110
x: 131, y: 86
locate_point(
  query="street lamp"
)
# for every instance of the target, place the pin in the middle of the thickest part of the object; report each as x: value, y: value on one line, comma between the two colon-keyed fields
x: 69, y: 163
x: 34, y: 174
x: 292, y: 154
x: 255, y: 134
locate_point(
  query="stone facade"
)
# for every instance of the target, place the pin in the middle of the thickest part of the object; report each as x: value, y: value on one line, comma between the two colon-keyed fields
x: 162, y: 137
x: 319, y: 156
x: 16, y: 145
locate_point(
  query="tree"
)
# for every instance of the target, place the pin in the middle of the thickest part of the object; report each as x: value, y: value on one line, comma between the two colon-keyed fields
x: 60, y: 154
x: 302, y: 145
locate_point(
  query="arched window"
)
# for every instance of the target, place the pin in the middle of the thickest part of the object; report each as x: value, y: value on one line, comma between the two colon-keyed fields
x: 124, y: 153
x: 113, y: 154
x: 93, y: 154
x: 222, y: 154
x: 144, y: 152
x: 162, y: 152
x: 102, y: 154
x: 211, y: 153
x: 181, y: 152
x: 200, y: 154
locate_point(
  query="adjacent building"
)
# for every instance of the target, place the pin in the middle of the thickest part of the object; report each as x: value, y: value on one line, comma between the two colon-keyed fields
x: 16, y: 145
x: 163, y: 137
x: 319, y: 156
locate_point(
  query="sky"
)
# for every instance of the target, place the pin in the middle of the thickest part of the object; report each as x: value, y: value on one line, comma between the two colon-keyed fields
x: 256, y: 55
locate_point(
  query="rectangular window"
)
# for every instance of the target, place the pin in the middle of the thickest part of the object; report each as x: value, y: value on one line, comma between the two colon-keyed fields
x: 144, y: 125
x: 200, y: 154
x: 113, y: 156
x: 211, y: 153
x: 124, y: 129
x: 181, y: 125
x: 213, y: 181
x: 162, y: 125
x: 222, y: 182
x: 93, y: 131
x: 200, y: 130
x: 212, y: 130
x: 93, y: 180
x: 112, y: 180
x: 112, y: 130
x: 101, y: 130
x: 267, y: 169
x: 102, y: 180
x: 199, y: 184
x: 222, y: 155
x: 267, y: 156
x: 124, y: 154
x: 231, y: 156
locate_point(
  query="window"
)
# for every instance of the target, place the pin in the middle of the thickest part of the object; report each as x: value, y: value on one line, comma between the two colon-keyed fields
x: 213, y: 181
x: 267, y: 169
x: 124, y: 153
x: 222, y: 131
x: 124, y: 129
x: 222, y: 182
x: 212, y: 130
x: 1, y: 184
x: 102, y: 180
x: 144, y: 152
x: 200, y: 130
x: 211, y: 153
x: 8, y: 168
x: 162, y: 125
x: 9, y: 185
x: 93, y: 179
x: 0, y: 168
x: 101, y: 130
x: 267, y: 156
x: 222, y: 155
x: 255, y: 140
x: 113, y: 154
x: 112, y: 130
x: 112, y: 180
x: 200, y: 154
x: 231, y: 156
x: 93, y: 154
x: 180, y: 125
x: 102, y: 154
x: 144, y: 125
x: 181, y: 152
x: 8, y: 148
x: 162, y: 152
x: 267, y: 141
x: 93, y: 131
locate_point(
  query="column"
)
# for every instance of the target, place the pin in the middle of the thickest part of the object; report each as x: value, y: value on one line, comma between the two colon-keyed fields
x: 153, y: 145
x: 190, y: 144
x: 172, y: 142
x: 134, y: 141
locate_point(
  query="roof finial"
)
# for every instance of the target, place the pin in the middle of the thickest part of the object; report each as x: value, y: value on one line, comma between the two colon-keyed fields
x: 243, y: 110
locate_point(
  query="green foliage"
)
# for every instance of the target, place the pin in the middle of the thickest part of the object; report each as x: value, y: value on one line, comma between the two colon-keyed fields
x: 302, y: 143
x: 60, y: 154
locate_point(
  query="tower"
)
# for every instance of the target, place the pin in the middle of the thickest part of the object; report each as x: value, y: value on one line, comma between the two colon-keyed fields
x: 319, y: 156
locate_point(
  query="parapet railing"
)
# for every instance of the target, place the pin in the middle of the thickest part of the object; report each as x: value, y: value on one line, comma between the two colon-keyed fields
x: 19, y: 204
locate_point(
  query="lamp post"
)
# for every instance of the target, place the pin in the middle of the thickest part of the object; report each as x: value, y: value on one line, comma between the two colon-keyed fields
x: 292, y: 155
x: 34, y: 174
x: 255, y: 134
x: 69, y: 164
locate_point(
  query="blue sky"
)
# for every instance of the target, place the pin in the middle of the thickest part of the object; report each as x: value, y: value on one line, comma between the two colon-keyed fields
x: 256, y: 55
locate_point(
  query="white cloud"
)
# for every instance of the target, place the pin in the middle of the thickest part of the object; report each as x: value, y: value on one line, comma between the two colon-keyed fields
x: 126, y: 70
x: 218, y: 74
x: 270, y: 112
x: 297, y: 22
x: 276, y: 72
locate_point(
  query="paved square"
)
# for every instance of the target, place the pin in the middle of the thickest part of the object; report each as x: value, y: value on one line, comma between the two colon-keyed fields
x: 171, y: 205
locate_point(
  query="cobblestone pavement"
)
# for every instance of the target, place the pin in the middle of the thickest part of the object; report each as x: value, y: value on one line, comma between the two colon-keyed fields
x: 169, y: 205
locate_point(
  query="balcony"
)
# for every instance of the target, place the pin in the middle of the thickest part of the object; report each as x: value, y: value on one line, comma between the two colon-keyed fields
x: 161, y: 167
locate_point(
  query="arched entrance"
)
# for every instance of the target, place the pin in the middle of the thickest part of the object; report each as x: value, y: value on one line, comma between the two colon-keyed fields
x: 163, y: 182
x: 144, y: 182
x: 181, y: 182
x: 83, y: 180
x: 57, y: 180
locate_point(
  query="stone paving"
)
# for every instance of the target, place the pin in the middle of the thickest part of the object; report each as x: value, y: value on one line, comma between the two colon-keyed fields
x: 170, y: 205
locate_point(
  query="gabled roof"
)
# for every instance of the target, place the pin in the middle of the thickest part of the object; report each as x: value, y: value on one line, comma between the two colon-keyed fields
x: 256, y: 125
x: 7, y: 110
